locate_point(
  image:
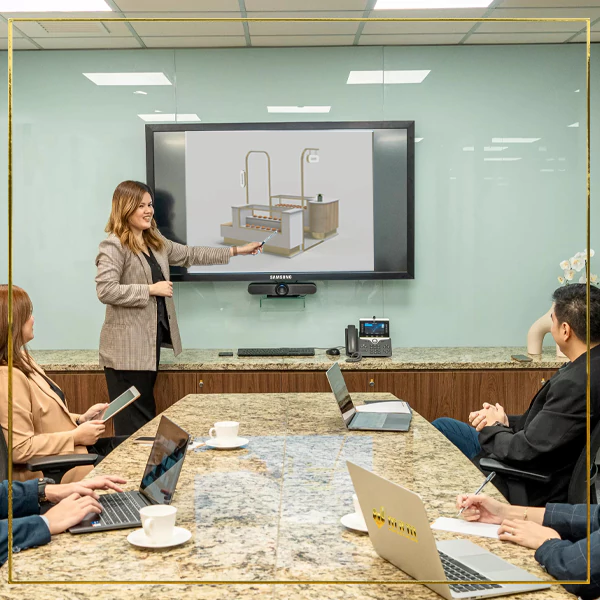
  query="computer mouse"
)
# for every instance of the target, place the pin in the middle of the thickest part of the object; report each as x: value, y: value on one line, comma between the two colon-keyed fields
x: 332, y: 352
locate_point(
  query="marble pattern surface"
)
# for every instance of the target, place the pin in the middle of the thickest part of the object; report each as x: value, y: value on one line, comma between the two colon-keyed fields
x: 401, y: 359
x: 268, y: 512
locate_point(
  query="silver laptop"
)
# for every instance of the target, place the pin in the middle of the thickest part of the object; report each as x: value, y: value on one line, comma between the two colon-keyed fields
x: 375, y: 416
x: 400, y: 532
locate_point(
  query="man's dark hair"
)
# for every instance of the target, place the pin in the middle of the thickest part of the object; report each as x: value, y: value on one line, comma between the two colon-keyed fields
x: 570, y: 307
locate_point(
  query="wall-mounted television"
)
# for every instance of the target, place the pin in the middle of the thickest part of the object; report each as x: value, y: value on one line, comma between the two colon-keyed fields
x: 336, y: 200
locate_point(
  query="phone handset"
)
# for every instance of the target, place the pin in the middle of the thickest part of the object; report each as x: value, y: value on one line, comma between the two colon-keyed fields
x: 352, y: 344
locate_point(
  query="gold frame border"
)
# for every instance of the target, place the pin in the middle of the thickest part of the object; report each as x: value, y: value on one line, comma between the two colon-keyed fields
x: 279, y: 20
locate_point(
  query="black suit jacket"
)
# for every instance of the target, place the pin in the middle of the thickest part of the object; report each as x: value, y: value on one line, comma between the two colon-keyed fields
x: 550, y: 435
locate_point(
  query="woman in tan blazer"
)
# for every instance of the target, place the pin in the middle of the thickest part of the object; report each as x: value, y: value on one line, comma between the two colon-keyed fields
x: 42, y: 424
x: 133, y: 281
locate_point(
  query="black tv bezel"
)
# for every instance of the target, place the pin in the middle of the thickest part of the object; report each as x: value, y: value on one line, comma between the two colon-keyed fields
x: 409, y: 126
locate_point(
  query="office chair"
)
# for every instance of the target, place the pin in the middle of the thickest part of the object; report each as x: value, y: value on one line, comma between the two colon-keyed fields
x: 51, y: 466
x: 577, y: 493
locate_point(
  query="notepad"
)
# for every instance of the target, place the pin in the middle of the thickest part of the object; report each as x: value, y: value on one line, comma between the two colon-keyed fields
x: 466, y: 527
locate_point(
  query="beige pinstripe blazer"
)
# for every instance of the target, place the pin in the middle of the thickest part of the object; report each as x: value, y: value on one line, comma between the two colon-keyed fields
x: 128, y: 336
x: 42, y: 424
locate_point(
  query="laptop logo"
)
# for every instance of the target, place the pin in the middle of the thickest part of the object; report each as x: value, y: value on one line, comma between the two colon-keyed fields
x: 398, y: 527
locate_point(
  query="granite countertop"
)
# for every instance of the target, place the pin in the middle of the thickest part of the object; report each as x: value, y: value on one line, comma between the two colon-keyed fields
x: 401, y: 359
x: 268, y: 512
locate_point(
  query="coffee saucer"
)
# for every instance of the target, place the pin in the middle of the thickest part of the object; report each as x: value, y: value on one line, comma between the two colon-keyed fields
x: 354, y: 522
x: 139, y: 538
x: 228, y: 444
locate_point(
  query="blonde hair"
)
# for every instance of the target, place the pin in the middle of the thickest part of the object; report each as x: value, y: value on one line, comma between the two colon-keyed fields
x: 22, y: 311
x: 126, y: 199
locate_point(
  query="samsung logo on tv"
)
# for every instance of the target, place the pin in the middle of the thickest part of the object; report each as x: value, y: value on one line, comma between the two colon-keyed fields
x: 280, y: 277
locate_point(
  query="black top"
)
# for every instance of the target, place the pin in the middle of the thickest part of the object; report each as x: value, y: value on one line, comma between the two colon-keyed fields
x: 161, y: 306
x: 55, y: 389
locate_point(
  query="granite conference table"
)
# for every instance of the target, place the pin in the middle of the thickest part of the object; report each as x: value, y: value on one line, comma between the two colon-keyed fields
x: 269, y: 512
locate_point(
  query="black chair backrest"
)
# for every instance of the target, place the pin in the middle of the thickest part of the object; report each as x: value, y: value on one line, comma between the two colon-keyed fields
x: 3, y: 457
x: 578, y: 484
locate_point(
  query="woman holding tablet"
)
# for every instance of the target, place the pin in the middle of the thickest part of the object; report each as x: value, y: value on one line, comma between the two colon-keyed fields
x: 133, y: 282
x: 42, y: 424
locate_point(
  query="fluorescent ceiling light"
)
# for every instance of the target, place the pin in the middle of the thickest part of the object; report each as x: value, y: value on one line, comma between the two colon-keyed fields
x: 514, y: 140
x: 494, y: 148
x: 298, y: 109
x: 577, y: 91
x: 422, y: 4
x: 170, y: 117
x: 576, y: 124
x: 417, y: 140
x: 390, y: 77
x: 16, y: 6
x: 128, y: 78
x: 503, y: 159
x: 140, y: 92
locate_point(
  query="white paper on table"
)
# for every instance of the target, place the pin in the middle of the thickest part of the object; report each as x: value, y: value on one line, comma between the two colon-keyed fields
x: 195, y: 444
x: 395, y: 407
x: 466, y: 527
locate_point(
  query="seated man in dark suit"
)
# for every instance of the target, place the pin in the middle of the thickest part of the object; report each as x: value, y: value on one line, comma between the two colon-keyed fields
x: 72, y: 502
x: 550, y: 435
x: 557, y: 533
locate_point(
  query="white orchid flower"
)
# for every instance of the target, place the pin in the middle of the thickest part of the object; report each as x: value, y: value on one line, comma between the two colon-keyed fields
x: 577, y: 263
x: 584, y: 254
x: 582, y: 279
x: 593, y: 278
x: 569, y: 275
x: 565, y: 264
x: 561, y: 280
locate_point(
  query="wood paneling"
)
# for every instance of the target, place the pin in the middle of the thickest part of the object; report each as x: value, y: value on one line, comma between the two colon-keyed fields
x: 316, y: 381
x: 172, y: 386
x: 242, y: 382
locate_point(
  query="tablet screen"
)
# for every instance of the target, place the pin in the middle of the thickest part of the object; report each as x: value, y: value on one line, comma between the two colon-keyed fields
x: 121, y: 402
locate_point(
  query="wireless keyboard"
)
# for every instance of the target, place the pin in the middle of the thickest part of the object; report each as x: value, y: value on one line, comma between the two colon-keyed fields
x: 276, y: 351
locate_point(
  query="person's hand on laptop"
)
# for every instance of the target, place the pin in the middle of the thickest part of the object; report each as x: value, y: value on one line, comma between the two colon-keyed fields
x: 71, y: 511
x: 93, y: 412
x: 526, y: 533
x: 56, y: 493
x: 87, y: 433
x: 481, y: 508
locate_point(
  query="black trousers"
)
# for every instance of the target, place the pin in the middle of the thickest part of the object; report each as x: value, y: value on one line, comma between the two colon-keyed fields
x: 138, y: 413
x: 104, y: 446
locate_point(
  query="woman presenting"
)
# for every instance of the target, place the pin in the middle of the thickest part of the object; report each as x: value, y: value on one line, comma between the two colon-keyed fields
x: 133, y: 281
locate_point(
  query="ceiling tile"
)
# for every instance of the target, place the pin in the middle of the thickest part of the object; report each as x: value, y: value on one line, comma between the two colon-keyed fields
x: 581, y: 37
x: 4, y: 30
x: 302, y: 40
x: 231, y: 41
x: 18, y: 44
x: 177, y: 5
x: 516, y: 27
x: 517, y: 38
x: 410, y: 40
x: 547, y: 3
x: 191, y: 29
x: 295, y: 5
x: 312, y: 28
x: 85, y: 43
x: 422, y: 26
x: 35, y: 29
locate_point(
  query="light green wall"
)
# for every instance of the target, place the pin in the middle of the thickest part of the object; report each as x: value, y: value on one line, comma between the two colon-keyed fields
x: 489, y: 235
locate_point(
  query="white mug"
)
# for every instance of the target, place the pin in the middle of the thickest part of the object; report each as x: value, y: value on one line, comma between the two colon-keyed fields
x: 158, y: 522
x: 224, y: 430
x: 357, y: 509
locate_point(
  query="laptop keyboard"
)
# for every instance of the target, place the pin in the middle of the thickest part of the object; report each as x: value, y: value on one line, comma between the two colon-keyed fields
x: 120, y: 508
x: 457, y: 571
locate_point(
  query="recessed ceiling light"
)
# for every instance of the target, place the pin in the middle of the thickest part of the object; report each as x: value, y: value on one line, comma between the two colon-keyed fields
x: 128, y: 78
x: 576, y: 124
x: 417, y: 140
x: 421, y: 4
x: 140, y: 92
x: 577, y: 91
x: 158, y: 111
x: 54, y: 6
x: 494, y: 148
x: 170, y: 117
x: 390, y: 77
x: 504, y: 159
x: 514, y: 140
x: 298, y: 109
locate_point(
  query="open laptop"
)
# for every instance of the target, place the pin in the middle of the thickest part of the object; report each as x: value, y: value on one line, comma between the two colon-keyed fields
x: 121, y: 510
x: 376, y: 416
x: 400, y: 532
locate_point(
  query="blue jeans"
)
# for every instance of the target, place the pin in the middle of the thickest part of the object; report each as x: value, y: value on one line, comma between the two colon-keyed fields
x: 462, y: 435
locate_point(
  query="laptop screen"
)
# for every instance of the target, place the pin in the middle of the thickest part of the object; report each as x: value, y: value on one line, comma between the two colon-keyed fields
x: 165, y: 462
x: 340, y: 391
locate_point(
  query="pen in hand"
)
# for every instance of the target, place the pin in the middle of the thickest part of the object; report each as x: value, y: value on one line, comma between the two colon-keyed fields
x: 487, y: 480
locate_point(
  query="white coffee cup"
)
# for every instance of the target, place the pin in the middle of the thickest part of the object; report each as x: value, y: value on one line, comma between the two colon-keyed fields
x: 158, y: 522
x: 224, y: 430
x: 357, y: 509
